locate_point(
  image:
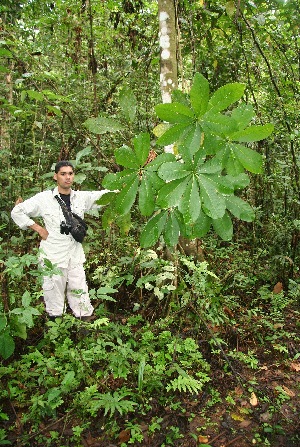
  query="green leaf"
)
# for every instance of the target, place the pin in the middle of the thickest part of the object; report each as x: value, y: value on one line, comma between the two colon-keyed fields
x: 101, y: 125
x: 253, y: 133
x: 86, y: 151
x: 174, y: 133
x: 223, y: 227
x: 171, y: 193
x: 174, y: 113
x: 190, y: 204
x: 250, y: 160
x: 7, y: 344
x: 128, y: 103
x: 159, y: 160
x: 3, y: 321
x: 190, y: 140
x: 126, y: 157
x: 173, y: 171
x: 199, y: 94
x: 142, y: 147
x: 54, y: 109
x: 153, y: 229
x: 26, y: 299
x: 243, y: 114
x: 239, y: 208
x: 33, y: 94
x: 118, y: 180
x: 126, y: 197
x: 106, y: 198
x: 146, y: 196
x: 218, y: 124
x: 213, y: 203
x: 225, y: 96
x: 171, y: 231
x: 201, y: 227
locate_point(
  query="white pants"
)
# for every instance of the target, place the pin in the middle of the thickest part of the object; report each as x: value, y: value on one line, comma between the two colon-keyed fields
x: 73, y: 282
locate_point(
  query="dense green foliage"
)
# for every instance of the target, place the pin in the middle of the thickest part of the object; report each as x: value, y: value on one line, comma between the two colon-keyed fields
x: 189, y: 341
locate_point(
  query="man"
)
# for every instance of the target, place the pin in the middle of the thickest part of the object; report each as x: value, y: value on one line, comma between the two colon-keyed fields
x: 57, y: 246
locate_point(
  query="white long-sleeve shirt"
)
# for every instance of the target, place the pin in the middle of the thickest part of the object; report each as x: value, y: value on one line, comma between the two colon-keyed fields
x: 60, y: 249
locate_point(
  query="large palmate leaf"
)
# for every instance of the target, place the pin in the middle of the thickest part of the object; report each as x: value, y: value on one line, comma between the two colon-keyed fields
x: 172, y: 171
x: 174, y: 113
x: 190, y: 204
x: 171, y: 193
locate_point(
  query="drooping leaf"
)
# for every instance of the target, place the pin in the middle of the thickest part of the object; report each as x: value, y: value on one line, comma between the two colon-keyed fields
x: 250, y: 159
x: 128, y: 103
x: 7, y: 345
x: 146, y: 196
x: 239, y: 208
x: 101, y: 125
x: 190, y: 204
x: 126, y: 197
x: 199, y: 94
x: 202, y: 225
x: 171, y: 231
x: 213, y: 203
x: 223, y: 227
x: 142, y: 147
x: 153, y: 229
x: 225, y: 96
x: 174, y: 112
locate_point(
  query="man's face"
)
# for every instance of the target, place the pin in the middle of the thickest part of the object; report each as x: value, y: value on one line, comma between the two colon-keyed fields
x: 64, y: 177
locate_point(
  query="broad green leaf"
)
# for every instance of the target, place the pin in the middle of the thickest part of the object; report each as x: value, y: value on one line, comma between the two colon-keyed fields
x: 160, y: 159
x: 118, y: 180
x: 142, y: 147
x: 86, y: 151
x: 174, y: 133
x: 229, y: 161
x: 80, y: 178
x: 160, y: 129
x: 253, y: 133
x: 202, y: 225
x: 54, y: 110
x: 243, y: 114
x: 190, y: 204
x: 239, y: 181
x: 251, y: 160
x: 181, y: 97
x: 26, y: 299
x: 106, y: 198
x: 223, y: 227
x: 101, y: 125
x: 218, y: 124
x: 33, y: 94
x: 172, y: 171
x: 199, y: 94
x: 225, y: 96
x: 171, y: 231
x: 128, y: 103
x: 3, y: 321
x: 108, y: 217
x: 126, y: 197
x: 211, y: 166
x: 174, y: 112
x: 171, y: 193
x: 126, y: 157
x: 239, y: 208
x: 146, y: 196
x: 7, y: 345
x: 190, y: 140
x: 153, y: 229
x: 213, y: 203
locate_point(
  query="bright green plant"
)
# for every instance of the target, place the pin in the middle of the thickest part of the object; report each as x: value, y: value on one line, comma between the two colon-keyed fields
x: 197, y: 186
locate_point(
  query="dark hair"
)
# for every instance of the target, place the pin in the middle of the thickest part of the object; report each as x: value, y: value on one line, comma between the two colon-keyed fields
x: 62, y: 163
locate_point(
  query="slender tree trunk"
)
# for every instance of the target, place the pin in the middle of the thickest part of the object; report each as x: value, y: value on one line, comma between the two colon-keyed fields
x: 168, y: 48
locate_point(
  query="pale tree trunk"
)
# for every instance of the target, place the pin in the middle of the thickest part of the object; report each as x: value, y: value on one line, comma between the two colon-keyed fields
x: 168, y: 48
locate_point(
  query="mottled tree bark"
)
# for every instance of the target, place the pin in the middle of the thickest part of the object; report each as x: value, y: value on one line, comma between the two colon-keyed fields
x: 168, y: 48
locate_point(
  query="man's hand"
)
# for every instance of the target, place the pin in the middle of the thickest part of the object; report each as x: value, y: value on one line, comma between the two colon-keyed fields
x: 41, y: 230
